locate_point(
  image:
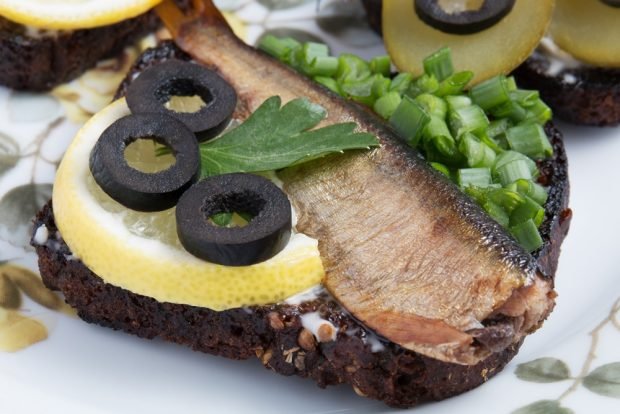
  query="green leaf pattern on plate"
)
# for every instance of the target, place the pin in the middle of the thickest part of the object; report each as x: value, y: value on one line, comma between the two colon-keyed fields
x: 17, y: 209
x: 543, y: 370
x: 544, y: 407
x: 9, y: 153
x: 282, y: 4
x: 604, y: 380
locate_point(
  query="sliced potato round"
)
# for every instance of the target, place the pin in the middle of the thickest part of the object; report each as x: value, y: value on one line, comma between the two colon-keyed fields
x: 490, y: 52
x: 589, y: 30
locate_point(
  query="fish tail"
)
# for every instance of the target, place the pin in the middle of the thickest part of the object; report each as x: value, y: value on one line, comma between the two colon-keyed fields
x: 175, y: 19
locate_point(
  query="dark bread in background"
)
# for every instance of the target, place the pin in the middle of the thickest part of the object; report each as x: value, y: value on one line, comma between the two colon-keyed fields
x: 274, y: 333
x: 40, y: 63
x: 43, y: 62
x: 592, y: 99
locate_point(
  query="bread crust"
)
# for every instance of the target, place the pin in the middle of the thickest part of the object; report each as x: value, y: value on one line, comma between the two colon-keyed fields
x: 275, y: 333
x: 40, y: 63
x: 591, y: 97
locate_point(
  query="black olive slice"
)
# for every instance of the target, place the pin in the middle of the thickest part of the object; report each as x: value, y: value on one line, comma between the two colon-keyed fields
x: 154, y: 88
x: 136, y: 189
x: 462, y: 22
x: 612, y: 3
x: 264, y: 236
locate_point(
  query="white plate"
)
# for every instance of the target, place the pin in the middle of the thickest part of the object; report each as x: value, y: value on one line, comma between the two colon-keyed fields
x: 83, y: 368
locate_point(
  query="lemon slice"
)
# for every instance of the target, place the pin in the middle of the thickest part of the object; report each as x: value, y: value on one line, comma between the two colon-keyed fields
x: 141, y: 252
x: 73, y: 14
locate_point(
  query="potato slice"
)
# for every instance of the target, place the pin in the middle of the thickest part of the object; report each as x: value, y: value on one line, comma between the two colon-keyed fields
x: 496, y: 50
x: 589, y: 30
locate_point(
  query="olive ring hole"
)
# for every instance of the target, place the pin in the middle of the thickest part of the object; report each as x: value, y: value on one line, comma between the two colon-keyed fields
x: 183, y: 95
x: 462, y: 17
x: 235, y: 209
x: 460, y: 6
x: 148, y: 154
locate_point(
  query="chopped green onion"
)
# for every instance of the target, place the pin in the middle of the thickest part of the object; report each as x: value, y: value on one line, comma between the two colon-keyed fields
x: 439, y: 64
x: 509, y: 156
x: 492, y: 143
x: 510, y: 110
x: 497, y: 133
x: 433, y: 105
x: 329, y: 83
x: 424, y: 84
x: 511, y: 83
x: 401, y: 82
x: 539, y: 112
x: 313, y: 50
x: 454, y: 84
x: 529, y: 139
x: 361, y: 90
x: 442, y: 148
x: 496, y: 212
x: 468, y: 119
x: 478, y: 177
x: 322, y: 66
x: 278, y: 47
x: 441, y: 168
x: 295, y: 58
x: 352, y: 68
x: 531, y: 189
x: 381, y: 86
x: 381, y: 65
x: 386, y: 105
x: 490, y: 93
x: 477, y: 153
x: 525, y: 97
x: 478, y: 194
x: 509, y: 200
x: 436, y: 127
x: 221, y: 219
x: 513, y: 171
x: 457, y: 102
x: 498, y: 127
x: 529, y: 210
x: 409, y: 120
x: 527, y: 235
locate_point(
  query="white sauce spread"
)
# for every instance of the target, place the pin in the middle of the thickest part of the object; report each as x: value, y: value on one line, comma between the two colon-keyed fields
x: 313, y: 321
x: 559, y: 60
x: 37, y: 33
x: 306, y: 296
x: 375, y: 344
x: 41, y: 235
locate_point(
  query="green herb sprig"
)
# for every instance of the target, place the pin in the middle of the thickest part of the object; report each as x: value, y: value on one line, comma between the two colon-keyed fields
x: 276, y: 137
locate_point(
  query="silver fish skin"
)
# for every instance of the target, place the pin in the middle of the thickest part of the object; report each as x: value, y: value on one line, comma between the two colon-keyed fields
x: 405, y: 251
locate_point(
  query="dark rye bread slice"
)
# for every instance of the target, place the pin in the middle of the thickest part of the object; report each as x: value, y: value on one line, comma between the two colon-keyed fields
x: 40, y: 63
x: 275, y: 334
x: 586, y: 95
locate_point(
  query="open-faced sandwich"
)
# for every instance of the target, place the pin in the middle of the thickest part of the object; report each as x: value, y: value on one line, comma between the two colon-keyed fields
x: 43, y: 44
x: 406, y: 252
x: 576, y: 65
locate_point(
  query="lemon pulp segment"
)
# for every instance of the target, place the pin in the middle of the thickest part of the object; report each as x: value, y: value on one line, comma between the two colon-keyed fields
x: 140, y: 252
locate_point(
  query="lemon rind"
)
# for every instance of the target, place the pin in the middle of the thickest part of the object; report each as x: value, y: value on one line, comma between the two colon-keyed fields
x: 154, y: 269
x: 51, y: 16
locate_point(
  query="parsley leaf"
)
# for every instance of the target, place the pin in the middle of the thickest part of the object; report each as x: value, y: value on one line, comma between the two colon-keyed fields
x: 275, y: 137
